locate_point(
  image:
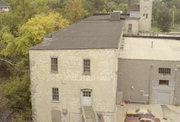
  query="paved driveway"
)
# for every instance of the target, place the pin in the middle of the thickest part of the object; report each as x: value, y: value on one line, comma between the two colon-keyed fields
x: 171, y: 113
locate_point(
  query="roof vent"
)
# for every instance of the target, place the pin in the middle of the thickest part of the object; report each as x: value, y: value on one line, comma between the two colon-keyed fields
x: 115, y: 16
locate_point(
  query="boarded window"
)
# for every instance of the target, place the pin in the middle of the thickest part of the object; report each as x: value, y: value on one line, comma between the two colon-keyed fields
x: 165, y: 71
x: 54, y: 64
x: 87, y: 66
x: 164, y: 82
x: 55, y: 94
x: 56, y: 115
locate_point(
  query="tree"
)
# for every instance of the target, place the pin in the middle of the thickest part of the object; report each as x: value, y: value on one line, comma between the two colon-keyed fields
x: 94, y: 6
x: 74, y: 10
x: 15, y: 92
x: 164, y: 18
x: 32, y: 32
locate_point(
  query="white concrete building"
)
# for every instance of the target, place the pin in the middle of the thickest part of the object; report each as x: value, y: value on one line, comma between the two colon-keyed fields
x: 4, y: 7
x: 139, y: 18
x: 149, y: 70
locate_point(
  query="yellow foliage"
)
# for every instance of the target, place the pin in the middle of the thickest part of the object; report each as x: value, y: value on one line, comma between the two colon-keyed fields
x: 74, y: 10
x: 32, y: 32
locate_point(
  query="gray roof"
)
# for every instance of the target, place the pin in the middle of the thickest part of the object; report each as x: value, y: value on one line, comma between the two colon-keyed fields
x: 2, y: 4
x: 95, y: 32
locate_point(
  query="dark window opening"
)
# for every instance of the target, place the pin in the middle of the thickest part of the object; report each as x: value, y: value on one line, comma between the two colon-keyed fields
x: 54, y: 64
x: 164, y: 71
x: 86, y: 66
x: 86, y: 93
x: 129, y: 27
x: 55, y: 94
x: 164, y: 82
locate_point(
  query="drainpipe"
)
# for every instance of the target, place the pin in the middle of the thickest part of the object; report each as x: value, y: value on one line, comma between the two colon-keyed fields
x: 150, y: 83
x: 175, y: 84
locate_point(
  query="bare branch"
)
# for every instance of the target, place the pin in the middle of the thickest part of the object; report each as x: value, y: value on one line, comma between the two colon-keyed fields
x: 7, y: 61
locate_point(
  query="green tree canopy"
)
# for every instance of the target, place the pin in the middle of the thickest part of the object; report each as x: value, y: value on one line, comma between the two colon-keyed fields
x: 164, y: 18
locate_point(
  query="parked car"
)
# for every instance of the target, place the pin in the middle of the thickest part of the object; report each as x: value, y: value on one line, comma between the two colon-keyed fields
x: 144, y: 111
x: 147, y: 118
x: 140, y: 115
x: 131, y: 116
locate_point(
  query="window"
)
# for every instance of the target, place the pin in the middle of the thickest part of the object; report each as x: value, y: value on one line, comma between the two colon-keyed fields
x: 54, y: 64
x: 146, y: 16
x: 129, y: 27
x: 86, y: 67
x: 164, y: 71
x: 55, y: 94
x: 164, y: 82
x: 86, y: 93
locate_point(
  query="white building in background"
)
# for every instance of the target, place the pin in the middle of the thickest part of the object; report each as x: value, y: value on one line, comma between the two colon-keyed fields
x: 139, y: 18
x: 4, y: 7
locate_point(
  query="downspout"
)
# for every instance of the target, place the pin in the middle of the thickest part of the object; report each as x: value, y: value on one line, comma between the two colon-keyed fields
x: 150, y: 83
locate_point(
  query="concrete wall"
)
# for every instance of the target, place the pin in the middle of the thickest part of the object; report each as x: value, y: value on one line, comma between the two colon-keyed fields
x: 145, y: 8
x: 135, y: 14
x: 138, y: 80
x: 135, y: 26
x: 70, y: 80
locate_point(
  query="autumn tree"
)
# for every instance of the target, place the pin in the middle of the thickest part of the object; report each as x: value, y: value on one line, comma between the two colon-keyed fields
x: 74, y: 10
x: 15, y: 92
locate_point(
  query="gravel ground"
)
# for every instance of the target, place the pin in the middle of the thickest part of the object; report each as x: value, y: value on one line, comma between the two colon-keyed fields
x: 171, y: 113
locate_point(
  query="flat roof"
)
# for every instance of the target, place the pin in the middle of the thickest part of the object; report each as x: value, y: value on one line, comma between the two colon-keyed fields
x: 150, y: 49
x: 95, y: 32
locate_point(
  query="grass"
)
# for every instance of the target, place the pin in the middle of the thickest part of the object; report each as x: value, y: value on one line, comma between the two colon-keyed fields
x: 174, y: 30
x: 155, y: 29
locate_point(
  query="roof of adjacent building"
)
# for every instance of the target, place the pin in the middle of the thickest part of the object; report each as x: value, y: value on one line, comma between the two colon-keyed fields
x: 133, y: 8
x: 150, y: 49
x: 3, y: 4
x: 95, y: 32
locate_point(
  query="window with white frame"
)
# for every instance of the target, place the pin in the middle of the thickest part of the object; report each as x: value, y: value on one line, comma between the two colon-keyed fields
x: 54, y: 64
x: 55, y: 94
x: 86, y: 66
x: 165, y: 71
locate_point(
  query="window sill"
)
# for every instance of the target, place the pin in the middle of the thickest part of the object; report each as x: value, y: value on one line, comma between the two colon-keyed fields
x: 86, y: 73
x: 53, y: 72
x: 55, y: 101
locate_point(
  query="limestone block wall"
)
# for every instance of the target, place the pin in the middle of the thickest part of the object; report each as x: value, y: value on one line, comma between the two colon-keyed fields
x: 70, y: 80
x: 145, y: 15
x: 135, y: 26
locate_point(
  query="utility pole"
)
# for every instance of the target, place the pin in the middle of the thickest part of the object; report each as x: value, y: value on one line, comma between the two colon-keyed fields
x: 173, y: 10
x: 173, y: 19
